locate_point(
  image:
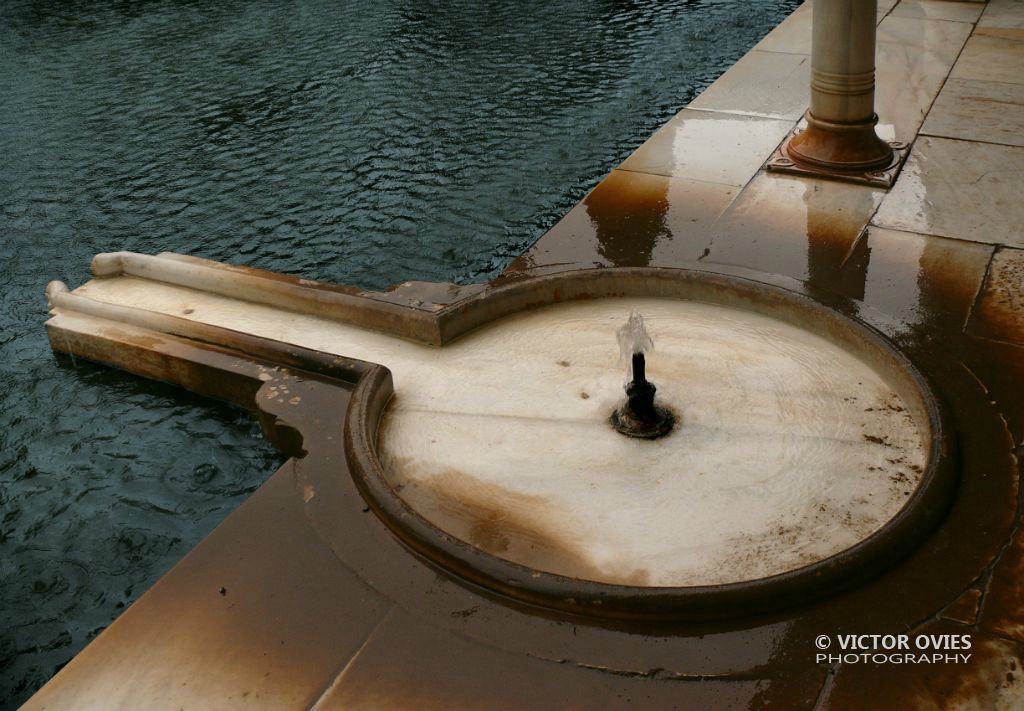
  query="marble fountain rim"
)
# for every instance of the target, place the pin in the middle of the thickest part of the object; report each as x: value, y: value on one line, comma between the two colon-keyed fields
x: 895, y: 539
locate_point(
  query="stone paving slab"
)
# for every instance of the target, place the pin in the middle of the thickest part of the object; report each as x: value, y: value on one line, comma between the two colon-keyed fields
x: 763, y: 84
x: 798, y: 227
x: 1005, y: 14
x: 709, y: 146
x: 989, y: 57
x: 999, y: 313
x: 958, y: 189
x: 793, y: 34
x: 633, y: 220
x: 939, y: 10
x: 409, y: 664
x: 224, y: 607
x: 913, y: 58
x: 1001, y: 612
x: 975, y: 110
x: 930, y: 282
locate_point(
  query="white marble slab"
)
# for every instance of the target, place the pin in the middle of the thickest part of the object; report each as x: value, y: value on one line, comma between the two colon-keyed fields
x: 782, y: 224
x: 914, y: 56
x: 973, y: 110
x: 939, y: 10
x: 959, y: 189
x: 634, y: 220
x: 1006, y: 14
x: 709, y: 146
x: 991, y: 58
x: 792, y: 35
x: 917, y: 277
x: 765, y: 84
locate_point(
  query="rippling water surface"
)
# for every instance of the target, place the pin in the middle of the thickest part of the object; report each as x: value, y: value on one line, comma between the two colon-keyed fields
x: 365, y: 143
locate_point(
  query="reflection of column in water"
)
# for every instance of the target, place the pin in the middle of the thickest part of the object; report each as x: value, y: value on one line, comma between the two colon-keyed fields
x: 944, y: 289
x: 837, y: 258
x: 629, y: 222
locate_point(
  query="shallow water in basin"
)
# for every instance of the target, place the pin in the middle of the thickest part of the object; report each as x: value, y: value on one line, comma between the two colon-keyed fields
x: 788, y: 448
x: 362, y: 143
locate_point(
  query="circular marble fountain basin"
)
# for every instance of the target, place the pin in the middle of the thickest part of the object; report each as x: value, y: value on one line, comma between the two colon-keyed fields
x: 807, y: 451
x: 789, y: 449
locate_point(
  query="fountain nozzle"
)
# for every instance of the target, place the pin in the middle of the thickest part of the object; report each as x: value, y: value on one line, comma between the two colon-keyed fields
x: 639, y: 416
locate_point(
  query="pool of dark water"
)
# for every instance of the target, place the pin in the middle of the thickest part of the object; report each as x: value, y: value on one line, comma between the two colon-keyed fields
x: 358, y: 142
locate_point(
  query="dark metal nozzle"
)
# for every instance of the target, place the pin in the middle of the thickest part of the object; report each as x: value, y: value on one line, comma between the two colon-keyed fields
x: 639, y: 416
x: 639, y: 368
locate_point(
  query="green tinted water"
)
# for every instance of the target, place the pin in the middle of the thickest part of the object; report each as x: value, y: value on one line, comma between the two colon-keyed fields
x: 365, y: 143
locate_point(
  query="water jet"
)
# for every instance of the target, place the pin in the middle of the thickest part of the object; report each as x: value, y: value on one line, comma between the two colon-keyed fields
x: 639, y: 416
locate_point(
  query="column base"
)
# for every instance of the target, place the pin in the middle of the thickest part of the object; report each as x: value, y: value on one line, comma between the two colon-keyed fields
x: 850, y: 152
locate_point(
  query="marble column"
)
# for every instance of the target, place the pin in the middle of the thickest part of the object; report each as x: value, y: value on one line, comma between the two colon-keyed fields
x: 841, y: 120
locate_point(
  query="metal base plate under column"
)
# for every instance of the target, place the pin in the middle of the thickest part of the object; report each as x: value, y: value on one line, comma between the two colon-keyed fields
x: 781, y: 162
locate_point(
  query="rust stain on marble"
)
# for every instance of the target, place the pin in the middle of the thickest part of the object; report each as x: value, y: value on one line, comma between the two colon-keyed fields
x: 923, y: 281
x: 628, y: 219
x: 508, y: 524
x: 999, y: 313
x: 1001, y: 611
x: 965, y: 609
x: 991, y: 678
x: 631, y: 220
x: 796, y: 227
